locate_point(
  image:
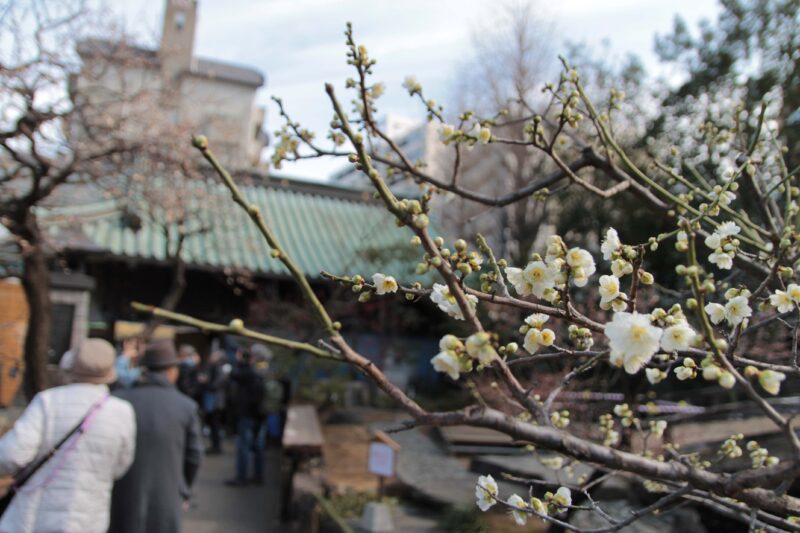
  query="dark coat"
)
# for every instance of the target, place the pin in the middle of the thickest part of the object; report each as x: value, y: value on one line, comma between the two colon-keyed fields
x: 248, y: 390
x: 149, y: 497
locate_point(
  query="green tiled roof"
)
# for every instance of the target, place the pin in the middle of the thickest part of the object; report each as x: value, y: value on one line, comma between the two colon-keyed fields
x: 321, y: 228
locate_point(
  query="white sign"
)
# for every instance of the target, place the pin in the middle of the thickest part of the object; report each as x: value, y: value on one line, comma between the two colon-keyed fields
x: 381, y: 459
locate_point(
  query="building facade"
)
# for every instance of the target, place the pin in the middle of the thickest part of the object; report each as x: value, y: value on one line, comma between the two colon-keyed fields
x: 199, y: 95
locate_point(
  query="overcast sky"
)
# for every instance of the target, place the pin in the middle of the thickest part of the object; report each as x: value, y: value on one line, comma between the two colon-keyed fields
x: 299, y: 44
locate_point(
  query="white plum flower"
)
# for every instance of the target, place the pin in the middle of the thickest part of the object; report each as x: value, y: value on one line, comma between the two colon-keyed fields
x: 683, y: 373
x: 563, y: 497
x: 609, y: 289
x: 482, y: 133
x: 655, y: 375
x: 520, y: 517
x: 536, y: 338
x: 582, y: 265
x: 479, y: 347
x: 728, y: 229
x: 713, y: 241
x: 555, y: 248
x: 521, y: 285
x: 621, y: 267
x: 633, y: 340
x: 384, y: 284
x: 737, y: 309
x: 781, y: 301
x: 620, y: 304
x: 610, y: 244
x: 486, y: 492
x: 541, y: 276
x: 770, y: 381
x: 447, y: 362
x: 677, y: 337
x: 450, y: 343
x: 723, y: 260
x: 657, y: 428
x: 442, y: 297
x: 446, y: 133
x: 793, y: 290
x: 725, y: 197
x: 715, y: 312
x: 411, y: 84
x: 536, y: 320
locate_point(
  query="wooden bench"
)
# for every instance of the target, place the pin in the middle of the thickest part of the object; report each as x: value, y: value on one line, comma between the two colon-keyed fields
x: 302, y: 440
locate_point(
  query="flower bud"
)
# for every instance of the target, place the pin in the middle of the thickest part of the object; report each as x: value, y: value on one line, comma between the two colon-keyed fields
x: 420, y: 221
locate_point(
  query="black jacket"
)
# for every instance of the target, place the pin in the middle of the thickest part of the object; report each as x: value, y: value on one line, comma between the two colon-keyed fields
x: 248, y: 389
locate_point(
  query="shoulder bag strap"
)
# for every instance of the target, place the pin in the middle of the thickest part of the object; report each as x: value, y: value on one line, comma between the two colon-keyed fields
x: 26, y: 472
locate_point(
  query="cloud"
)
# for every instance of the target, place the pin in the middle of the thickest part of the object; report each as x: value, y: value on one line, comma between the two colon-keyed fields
x: 299, y: 44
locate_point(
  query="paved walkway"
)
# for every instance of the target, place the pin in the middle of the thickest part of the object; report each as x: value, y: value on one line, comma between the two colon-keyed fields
x: 218, y: 508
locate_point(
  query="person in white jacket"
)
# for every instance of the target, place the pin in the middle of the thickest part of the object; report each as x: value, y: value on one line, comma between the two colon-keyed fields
x: 71, y: 492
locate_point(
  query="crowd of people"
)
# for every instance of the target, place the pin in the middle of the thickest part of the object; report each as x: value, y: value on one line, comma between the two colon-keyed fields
x: 118, y: 446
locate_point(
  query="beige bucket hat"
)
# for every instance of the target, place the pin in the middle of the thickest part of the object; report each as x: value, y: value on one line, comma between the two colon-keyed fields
x: 94, y: 362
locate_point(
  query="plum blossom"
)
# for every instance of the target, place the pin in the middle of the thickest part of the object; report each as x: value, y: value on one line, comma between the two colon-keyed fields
x: 715, y: 312
x: 677, y: 337
x: 481, y: 133
x: 486, y: 492
x: 793, y: 290
x: 536, y: 320
x: 384, y: 284
x: 582, y: 264
x: 563, y: 497
x: 536, y: 338
x: 781, y: 301
x: 537, y: 277
x: 609, y: 289
x: 442, y: 297
x: 621, y: 267
x: 770, y: 381
x: 723, y: 260
x: 737, y: 309
x: 655, y: 375
x: 520, y: 517
x: 633, y: 340
x: 411, y: 84
x: 447, y: 362
x: 479, y: 347
x: 610, y: 244
x: 446, y: 133
x: 717, y: 241
x: 725, y: 197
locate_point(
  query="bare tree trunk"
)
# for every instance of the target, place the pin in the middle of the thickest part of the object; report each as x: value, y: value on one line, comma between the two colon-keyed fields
x: 173, y: 296
x: 36, y: 283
